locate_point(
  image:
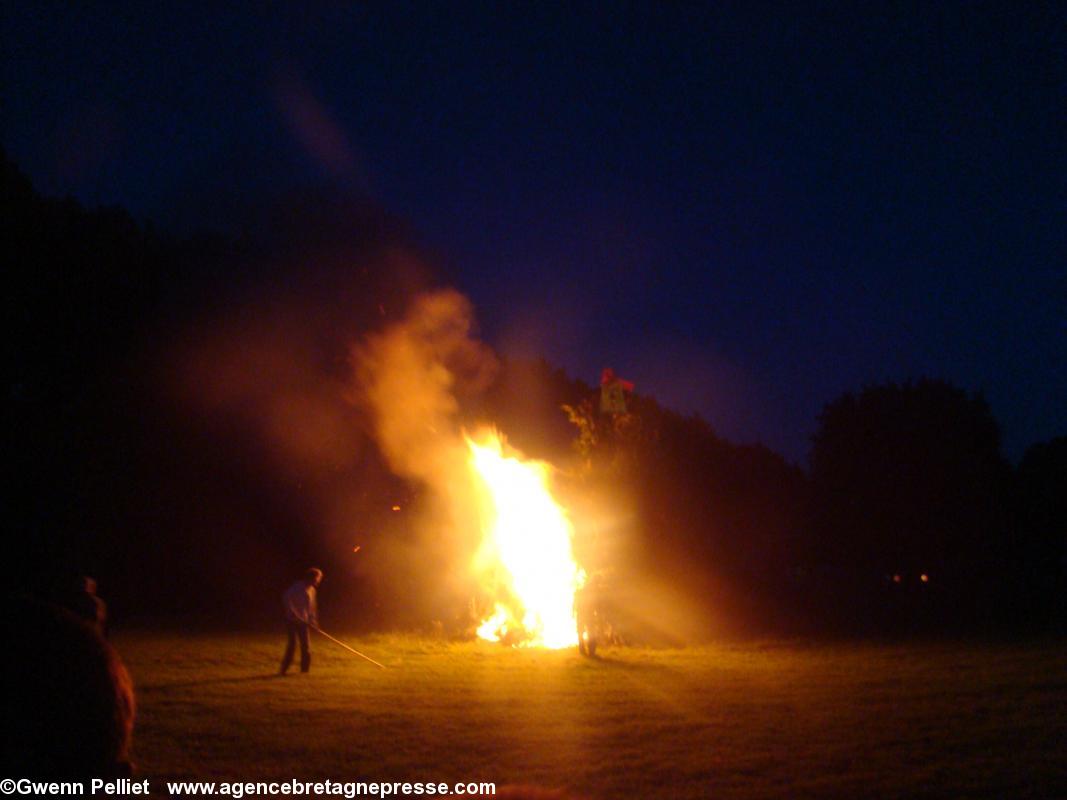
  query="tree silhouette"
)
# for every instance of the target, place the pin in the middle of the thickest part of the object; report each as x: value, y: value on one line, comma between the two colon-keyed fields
x: 909, y: 481
x: 1040, y: 534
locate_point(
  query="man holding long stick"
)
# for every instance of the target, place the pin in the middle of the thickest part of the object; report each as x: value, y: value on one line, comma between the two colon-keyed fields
x: 301, y: 614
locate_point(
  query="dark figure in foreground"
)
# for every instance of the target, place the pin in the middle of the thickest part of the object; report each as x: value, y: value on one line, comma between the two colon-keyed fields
x: 301, y: 614
x: 67, y: 697
x: 84, y: 603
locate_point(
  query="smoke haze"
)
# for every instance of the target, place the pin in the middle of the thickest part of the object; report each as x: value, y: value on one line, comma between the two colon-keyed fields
x: 411, y: 377
x: 414, y: 380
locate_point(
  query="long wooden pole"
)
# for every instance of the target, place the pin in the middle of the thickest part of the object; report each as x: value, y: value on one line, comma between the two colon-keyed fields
x: 346, y: 647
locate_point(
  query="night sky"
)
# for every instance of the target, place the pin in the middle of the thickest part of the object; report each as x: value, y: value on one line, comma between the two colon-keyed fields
x: 745, y: 211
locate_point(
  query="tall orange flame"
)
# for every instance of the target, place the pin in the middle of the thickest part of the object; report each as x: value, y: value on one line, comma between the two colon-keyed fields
x: 525, y: 558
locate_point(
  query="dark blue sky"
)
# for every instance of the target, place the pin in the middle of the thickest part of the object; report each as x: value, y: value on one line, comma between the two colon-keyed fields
x: 745, y: 210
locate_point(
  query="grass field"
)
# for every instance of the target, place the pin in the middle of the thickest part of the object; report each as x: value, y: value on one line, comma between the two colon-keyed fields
x: 728, y: 721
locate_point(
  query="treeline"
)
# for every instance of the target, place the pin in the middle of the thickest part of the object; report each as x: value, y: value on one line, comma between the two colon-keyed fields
x: 120, y: 469
x: 907, y: 519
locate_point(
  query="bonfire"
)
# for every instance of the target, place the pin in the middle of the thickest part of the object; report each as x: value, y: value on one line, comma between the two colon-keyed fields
x: 525, y: 560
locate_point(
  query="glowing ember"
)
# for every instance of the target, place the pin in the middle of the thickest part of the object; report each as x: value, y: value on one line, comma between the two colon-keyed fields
x: 525, y: 556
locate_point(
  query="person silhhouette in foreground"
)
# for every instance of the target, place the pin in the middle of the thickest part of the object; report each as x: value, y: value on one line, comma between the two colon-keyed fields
x: 83, y: 602
x: 67, y: 697
x: 301, y: 614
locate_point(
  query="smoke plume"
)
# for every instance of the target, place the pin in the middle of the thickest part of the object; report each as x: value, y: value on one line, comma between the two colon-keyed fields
x: 415, y: 381
x: 412, y: 376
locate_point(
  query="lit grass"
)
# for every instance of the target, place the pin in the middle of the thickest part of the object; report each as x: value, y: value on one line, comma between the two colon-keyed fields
x: 746, y: 721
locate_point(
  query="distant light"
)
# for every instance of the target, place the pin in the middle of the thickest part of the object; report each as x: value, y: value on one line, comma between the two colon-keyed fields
x: 355, y: 549
x: 924, y: 578
x: 896, y: 579
x: 396, y: 508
